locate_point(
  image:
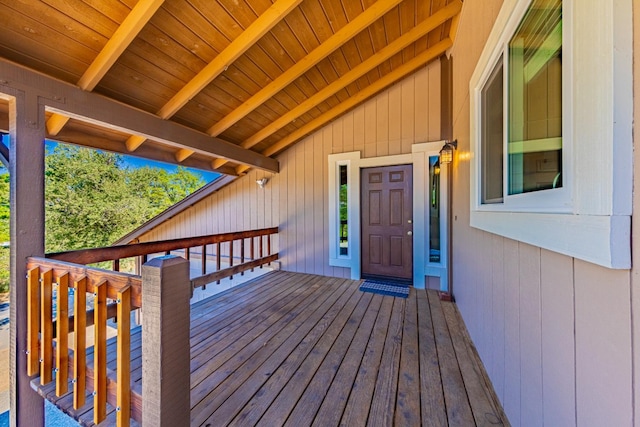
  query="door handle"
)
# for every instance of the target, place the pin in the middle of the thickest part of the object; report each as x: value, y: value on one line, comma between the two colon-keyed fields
x: 409, y: 233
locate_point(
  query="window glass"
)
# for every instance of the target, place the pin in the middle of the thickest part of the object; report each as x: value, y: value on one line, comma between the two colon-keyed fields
x: 492, y: 136
x: 535, y: 100
x: 343, y: 229
x: 434, y: 209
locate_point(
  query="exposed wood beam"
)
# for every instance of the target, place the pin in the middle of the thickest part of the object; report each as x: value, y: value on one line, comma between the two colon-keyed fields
x: 119, y: 41
x: 147, y: 151
x: 423, y: 58
x: 218, y: 163
x: 453, y: 31
x: 375, y: 60
x: 236, y: 48
x: 134, y: 142
x: 67, y: 99
x: 342, y: 36
x: 55, y: 123
x: 183, y: 154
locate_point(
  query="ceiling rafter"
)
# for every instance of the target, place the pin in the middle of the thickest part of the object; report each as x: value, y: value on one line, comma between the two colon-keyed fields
x: 423, y: 58
x: 55, y: 123
x: 361, y: 22
x: 115, y: 46
x: 219, y: 64
x: 119, y: 41
x: 236, y: 48
x: 372, y: 62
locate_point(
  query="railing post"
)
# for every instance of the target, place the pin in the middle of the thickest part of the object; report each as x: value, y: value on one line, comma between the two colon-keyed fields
x: 165, y: 342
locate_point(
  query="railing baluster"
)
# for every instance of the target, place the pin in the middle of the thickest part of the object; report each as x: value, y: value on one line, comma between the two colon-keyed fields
x: 231, y: 257
x: 218, y: 259
x: 123, y: 393
x: 116, y: 265
x: 187, y: 253
x: 100, y: 353
x: 79, y: 342
x: 251, y: 250
x: 46, y: 327
x: 204, y: 259
x: 261, y: 246
x: 204, y: 262
x: 269, y: 246
x: 62, y: 334
x: 33, y: 321
x: 242, y: 254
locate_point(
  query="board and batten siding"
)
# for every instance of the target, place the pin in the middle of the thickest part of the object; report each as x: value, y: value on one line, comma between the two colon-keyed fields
x: 557, y: 335
x: 296, y: 199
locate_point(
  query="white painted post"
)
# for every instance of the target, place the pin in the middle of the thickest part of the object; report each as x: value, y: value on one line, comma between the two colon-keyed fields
x: 26, y: 167
x: 165, y: 342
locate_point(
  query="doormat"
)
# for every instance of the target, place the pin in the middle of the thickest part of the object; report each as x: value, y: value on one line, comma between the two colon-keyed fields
x: 382, y: 288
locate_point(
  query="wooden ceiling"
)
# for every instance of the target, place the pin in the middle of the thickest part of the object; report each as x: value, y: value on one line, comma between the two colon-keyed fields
x: 259, y: 74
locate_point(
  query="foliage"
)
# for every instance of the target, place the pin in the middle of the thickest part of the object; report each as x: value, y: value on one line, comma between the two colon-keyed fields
x: 4, y: 269
x: 4, y: 206
x: 91, y: 200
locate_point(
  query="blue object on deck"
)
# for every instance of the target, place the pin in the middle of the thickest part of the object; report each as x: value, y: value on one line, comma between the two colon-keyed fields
x: 390, y: 289
x: 53, y: 417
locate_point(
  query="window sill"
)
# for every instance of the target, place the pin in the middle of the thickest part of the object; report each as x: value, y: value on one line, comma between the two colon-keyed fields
x: 599, y: 239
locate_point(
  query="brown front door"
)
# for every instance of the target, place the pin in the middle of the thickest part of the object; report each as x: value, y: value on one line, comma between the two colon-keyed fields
x: 387, y: 222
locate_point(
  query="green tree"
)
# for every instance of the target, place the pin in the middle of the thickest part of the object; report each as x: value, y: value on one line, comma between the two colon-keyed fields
x: 161, y: 188
x: 91, y: 199
x: 4, y: 205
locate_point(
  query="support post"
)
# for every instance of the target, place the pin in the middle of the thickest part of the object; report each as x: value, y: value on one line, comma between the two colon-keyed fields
x: 26, y: 169
x: 165, y: 342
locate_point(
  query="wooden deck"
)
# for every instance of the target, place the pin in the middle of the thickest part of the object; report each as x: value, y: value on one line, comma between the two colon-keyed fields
x: 298, y: 349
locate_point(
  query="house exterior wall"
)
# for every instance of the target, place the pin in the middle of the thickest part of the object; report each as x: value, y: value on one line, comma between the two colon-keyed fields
x: 296, y: 199
x: 556, y: 334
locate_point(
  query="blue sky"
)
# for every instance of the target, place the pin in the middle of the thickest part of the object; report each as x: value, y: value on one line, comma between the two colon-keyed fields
x: 137, y: 162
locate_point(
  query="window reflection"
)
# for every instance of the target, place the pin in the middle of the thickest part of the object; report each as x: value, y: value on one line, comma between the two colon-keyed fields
x: 343, y: 230
x: 434, y: 209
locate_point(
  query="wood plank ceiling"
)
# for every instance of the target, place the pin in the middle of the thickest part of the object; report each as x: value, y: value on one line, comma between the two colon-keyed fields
x: 260, y: 74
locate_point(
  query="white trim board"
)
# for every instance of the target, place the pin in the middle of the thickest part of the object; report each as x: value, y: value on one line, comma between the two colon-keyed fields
x: 590, y: 217
x: 417, y: 158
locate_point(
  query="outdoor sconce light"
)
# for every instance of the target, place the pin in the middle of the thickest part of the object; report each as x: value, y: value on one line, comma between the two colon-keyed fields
x: 446, y: 153
x: 262, y: 182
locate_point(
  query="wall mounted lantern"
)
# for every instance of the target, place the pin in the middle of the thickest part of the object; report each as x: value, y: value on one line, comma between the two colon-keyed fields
x: 262, y: 182
x: 446, y: 153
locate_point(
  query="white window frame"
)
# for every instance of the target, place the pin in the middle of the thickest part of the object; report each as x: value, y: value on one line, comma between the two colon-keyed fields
x: 419, y: 156
x: 590, y: 216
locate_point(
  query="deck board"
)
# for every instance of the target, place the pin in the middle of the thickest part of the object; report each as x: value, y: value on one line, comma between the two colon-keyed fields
x: 299, y: 349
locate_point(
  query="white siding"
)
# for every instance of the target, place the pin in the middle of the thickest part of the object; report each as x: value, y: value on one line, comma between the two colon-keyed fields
x: 296, y: 199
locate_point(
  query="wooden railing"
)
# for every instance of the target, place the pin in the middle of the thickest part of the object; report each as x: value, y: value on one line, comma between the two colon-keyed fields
x: 48, y: 346
x: 46, y: 356
x: 258, y: 247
